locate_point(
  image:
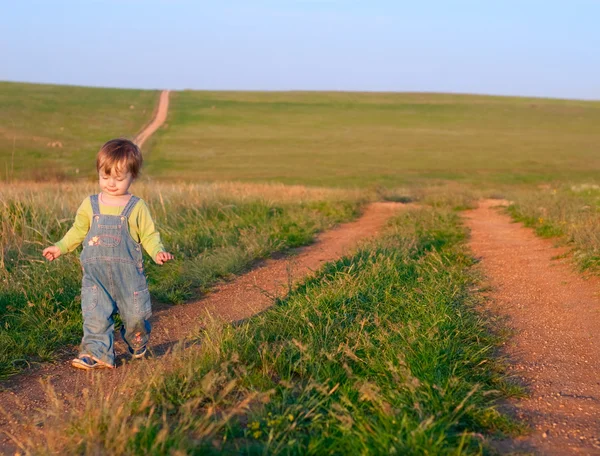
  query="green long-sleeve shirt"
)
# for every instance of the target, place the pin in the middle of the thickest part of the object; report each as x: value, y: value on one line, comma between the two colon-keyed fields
x: 141, y: 227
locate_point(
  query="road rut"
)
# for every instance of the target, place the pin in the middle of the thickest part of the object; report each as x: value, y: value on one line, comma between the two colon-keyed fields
x: 555, y: 351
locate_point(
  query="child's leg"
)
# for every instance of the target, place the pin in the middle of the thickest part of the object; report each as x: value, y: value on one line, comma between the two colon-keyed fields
x: 135, y: 313
x: 98, y: 324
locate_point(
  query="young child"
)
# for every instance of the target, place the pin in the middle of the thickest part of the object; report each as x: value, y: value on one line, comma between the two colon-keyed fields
x: 113, y: 226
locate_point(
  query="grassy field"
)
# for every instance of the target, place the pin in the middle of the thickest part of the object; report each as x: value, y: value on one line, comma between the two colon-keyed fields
x: 50, y: 133
x: 362, y: 139
x: 214, y: 231
x: 328, y: 138
x: 381, y: 352
x: 568, y: 212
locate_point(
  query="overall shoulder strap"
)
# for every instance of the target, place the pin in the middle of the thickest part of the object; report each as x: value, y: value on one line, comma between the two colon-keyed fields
x: 95, y: 206
x: 130, y: 205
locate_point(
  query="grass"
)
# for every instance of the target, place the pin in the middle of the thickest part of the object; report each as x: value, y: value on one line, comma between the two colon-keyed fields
x: 568, y: 212
x: 309, y: 138
x: 214, y: 231
x: 375, y: 139
x: 380, y: 352
x: 50, y: 132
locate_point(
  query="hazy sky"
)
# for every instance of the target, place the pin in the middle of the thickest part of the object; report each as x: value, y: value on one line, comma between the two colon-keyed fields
x: 518, y: 47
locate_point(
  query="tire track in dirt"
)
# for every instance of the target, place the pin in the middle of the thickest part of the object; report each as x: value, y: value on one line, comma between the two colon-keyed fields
x: 24, y: 396
x: 555, y: 350
x: 159, y: 118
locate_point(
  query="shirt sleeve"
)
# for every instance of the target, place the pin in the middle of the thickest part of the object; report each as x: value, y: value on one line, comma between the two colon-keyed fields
x: 79, y: 230
x: 149, y: 235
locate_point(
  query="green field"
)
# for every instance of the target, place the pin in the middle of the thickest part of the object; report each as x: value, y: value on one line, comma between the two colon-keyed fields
x: 309, y: 138
x: 214, y: 231
x: 77, y: 120
x: 383, y: 351
x: 361, y: 139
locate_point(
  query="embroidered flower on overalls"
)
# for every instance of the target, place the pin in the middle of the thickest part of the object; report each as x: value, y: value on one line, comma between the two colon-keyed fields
x: 94, y: 240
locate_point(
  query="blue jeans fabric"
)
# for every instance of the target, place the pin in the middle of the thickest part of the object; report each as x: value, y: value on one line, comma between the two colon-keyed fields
x: 113, y: 281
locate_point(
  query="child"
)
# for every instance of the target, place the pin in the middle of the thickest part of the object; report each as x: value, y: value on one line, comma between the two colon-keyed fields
x: 113, y: 226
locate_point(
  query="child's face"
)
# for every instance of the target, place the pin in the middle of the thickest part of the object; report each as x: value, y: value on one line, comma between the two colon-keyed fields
x: 116, y: 183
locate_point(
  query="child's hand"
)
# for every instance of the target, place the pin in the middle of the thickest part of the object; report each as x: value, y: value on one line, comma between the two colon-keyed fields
x: 163, y: 257
x: 51, y: 253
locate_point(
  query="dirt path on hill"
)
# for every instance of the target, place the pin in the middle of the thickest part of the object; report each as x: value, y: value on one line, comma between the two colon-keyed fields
x: 159, y: 119
x: 555, y: 350
x: 245, y: 296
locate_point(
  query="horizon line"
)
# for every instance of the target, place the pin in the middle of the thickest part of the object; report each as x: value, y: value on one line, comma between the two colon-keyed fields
x: 364, y: 91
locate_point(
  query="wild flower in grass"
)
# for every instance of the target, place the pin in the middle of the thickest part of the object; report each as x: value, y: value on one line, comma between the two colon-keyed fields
x: 274, y: 422
x: 254, y: 426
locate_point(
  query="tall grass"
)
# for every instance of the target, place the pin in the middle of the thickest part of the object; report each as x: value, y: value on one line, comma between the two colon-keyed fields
x: 568, y: 212
x: 380, y: 352
x: 213, y: 230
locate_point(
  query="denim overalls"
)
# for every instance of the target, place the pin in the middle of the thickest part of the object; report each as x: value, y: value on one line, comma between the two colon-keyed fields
x: 113, y: 280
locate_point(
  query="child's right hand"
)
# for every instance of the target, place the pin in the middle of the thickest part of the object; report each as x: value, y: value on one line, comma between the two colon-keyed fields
x: 51, y: 253
x: 163, y: 257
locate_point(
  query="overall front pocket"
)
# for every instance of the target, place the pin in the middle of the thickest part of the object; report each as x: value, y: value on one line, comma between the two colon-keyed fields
x: 89, y: 298
x: 109, y: 240
x: 141, y: 301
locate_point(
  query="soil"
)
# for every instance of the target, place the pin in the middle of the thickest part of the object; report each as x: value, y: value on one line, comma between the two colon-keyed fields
x: 158, y: 119
x: 555, y: 350
x: 24, y: 397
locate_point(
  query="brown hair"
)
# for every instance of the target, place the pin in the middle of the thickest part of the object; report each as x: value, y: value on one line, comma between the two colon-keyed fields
x: 122, y: 155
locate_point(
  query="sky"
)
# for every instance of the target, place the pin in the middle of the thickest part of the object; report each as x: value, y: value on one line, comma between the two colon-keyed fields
x: 505, y: 47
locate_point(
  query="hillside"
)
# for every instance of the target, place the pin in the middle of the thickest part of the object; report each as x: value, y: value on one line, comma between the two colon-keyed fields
x: 314, y: 138
x: 50, y: 132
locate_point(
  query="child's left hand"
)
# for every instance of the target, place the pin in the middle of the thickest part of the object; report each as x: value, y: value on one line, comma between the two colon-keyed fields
x: 163, y: 257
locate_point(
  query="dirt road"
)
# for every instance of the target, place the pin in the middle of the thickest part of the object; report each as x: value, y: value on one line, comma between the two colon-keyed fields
x: 555, y: 351
x: 159, y: 119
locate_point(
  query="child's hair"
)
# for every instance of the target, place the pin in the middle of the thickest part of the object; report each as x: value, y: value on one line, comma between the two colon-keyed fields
x: 122, y: 155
